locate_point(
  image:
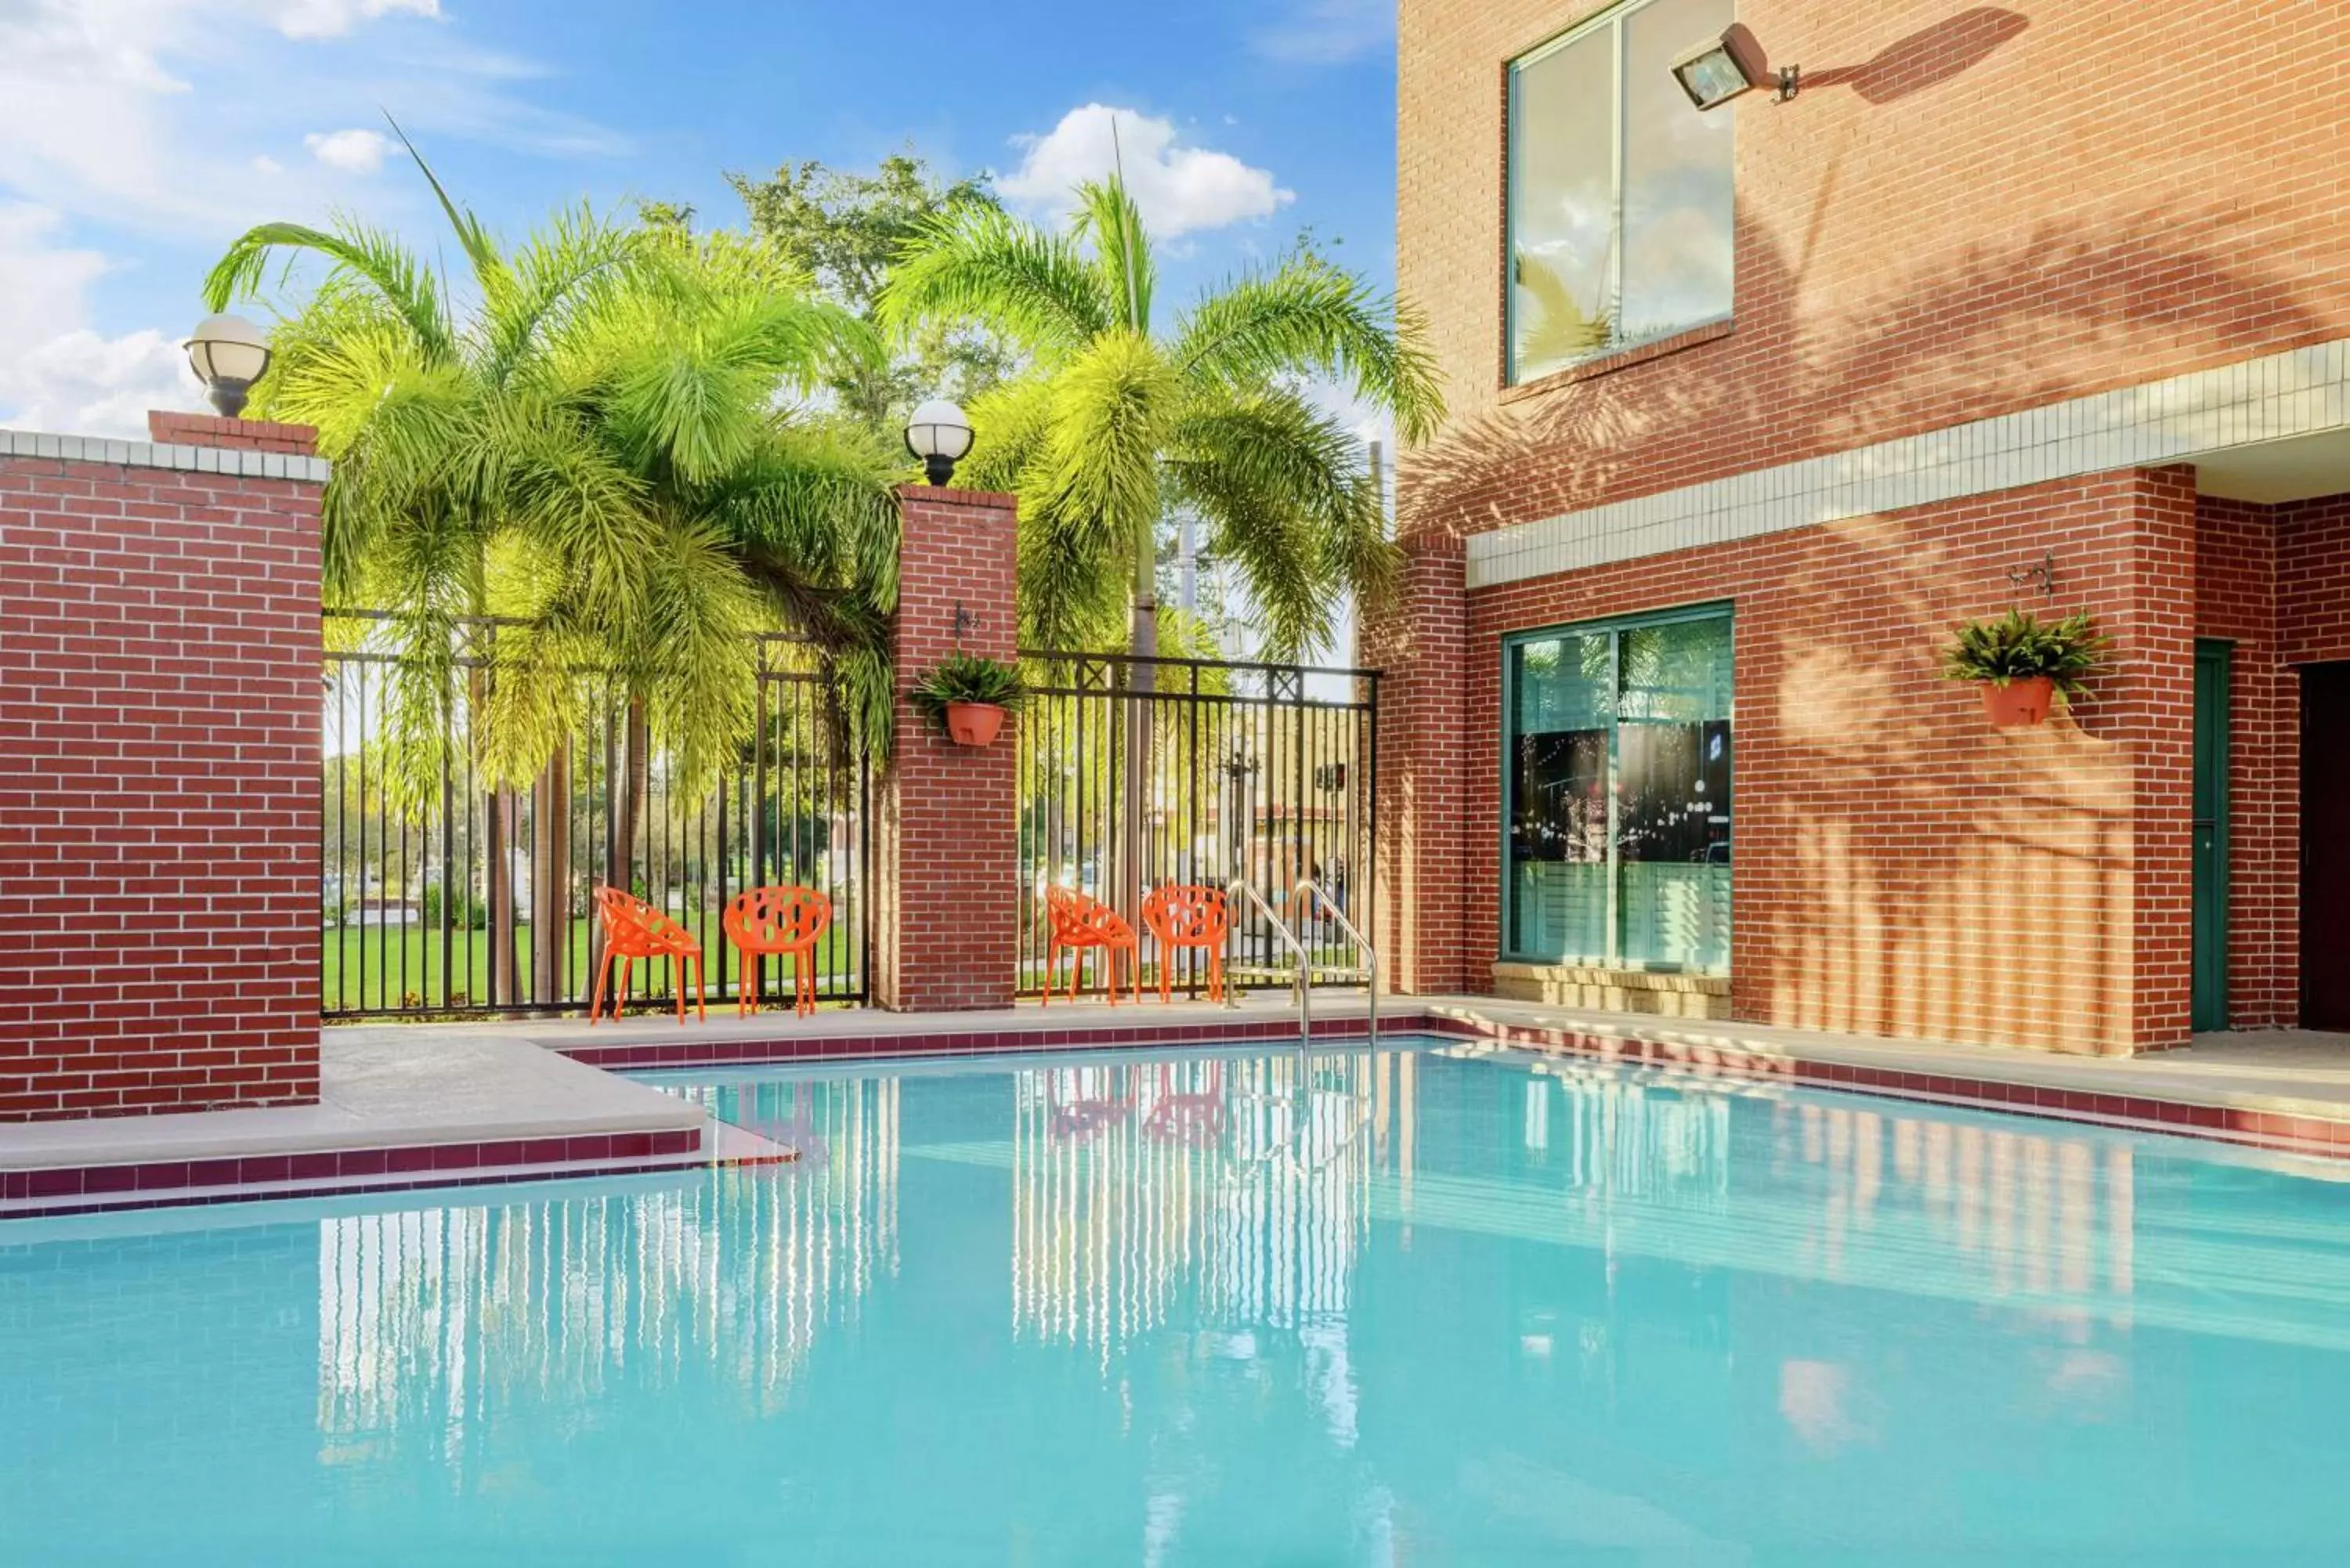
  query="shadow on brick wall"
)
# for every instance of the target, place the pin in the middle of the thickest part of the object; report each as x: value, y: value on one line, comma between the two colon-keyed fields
x: 1915, y: 842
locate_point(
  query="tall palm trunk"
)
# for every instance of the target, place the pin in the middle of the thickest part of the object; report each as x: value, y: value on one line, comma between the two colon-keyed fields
x: 550, y: 877
x: 1142, y: 680
x: 628, y: 828
x: 499, y: 872
x: 504, y: 952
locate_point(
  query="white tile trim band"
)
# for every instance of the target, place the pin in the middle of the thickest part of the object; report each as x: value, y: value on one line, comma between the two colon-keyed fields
x: 153, y: 454
x: 2301, y: 391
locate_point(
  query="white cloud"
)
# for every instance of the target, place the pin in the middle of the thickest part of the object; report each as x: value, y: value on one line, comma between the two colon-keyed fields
x: 147, y: 114
x: 1179, y: 189
x: 352, y: 151
x: 62, y: 376
x: 265, y: 164
x: 1324, y: 32
x: 333, y: 18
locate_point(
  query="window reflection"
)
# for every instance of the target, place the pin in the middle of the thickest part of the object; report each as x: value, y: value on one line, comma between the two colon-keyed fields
x: 1563, y: 699
x: 483, y: 1309
x: 1619, y: 191
x: 1676, y: 177
x: 1238, y: 1184
x: 1619, y: 795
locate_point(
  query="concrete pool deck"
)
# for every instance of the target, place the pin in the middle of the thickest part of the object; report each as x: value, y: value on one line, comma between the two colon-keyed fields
x: 392, y: 1112
x: 414, y: 1104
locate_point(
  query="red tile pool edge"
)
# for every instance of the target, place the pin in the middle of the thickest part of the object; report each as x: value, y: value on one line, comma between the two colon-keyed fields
x: 2319, y: 1137
x: 152, y: 1184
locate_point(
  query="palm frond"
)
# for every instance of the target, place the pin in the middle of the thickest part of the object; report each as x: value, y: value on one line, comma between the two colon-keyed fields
x: 1013, y: 423
x: 354, y: 249
x: 1113, y: 410
x: 563, y: 269
x: 474, y: 239
x: 1307, y: 317
x: 1036, y: 288
x: 1106, y: 215
x: 1293, y: 504
x: 1560, y: 330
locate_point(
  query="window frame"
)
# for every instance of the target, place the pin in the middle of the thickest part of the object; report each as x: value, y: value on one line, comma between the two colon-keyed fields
x: 1610, y: 18
x: 1615, y: 626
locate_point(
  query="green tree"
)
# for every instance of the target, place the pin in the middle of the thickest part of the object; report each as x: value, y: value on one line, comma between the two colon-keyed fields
x: 1112, y: 422
x: 603, y: 449
x: 844, y: 229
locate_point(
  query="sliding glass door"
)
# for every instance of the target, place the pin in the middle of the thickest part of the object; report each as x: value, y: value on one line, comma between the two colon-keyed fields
x: 1616, y: 793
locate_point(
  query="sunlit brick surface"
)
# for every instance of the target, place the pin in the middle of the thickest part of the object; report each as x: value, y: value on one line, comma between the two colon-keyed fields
x: 159, y: 788
x: 946, y: 869
x: 1968, y: 213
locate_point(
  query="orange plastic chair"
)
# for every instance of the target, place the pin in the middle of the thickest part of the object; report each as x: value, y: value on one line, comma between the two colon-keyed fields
x: 1183, y: 915
x: 774, y: 922
x: 1080, y: 922
x: 634, y: 930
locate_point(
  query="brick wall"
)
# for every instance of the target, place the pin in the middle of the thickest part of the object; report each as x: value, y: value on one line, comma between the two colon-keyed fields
x: 1423, y: 762
x: 238, y: 435
x: 946, y: 871
x: 158, y: 788
x: 1967, y: 212
x: 2274, y: 581
x: 2314, y: 580
x: 1902, y: 867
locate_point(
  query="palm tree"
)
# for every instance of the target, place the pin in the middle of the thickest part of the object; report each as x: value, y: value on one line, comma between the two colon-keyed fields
x: 602, y: 455
x: 1112, y: 423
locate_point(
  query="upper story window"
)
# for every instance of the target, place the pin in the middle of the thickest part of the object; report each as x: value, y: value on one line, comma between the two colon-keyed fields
x: 1619, y: 220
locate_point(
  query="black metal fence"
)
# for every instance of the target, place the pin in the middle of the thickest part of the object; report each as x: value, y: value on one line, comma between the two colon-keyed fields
x: 442, y: 894
x: 1135, y: 772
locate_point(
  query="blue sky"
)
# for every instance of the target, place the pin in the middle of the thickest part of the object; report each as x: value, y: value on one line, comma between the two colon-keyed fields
x: 138, y: 136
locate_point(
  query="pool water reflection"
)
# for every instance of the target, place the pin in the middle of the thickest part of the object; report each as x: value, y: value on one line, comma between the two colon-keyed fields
x: 1362, y: 1307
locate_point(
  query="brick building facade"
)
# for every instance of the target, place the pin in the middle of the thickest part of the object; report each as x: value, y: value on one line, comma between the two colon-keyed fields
x: 1999, y: 319
x: 160, y: 670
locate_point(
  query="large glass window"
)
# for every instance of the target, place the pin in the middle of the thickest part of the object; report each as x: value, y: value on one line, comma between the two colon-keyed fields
x: 1619, y: 223
x: 1617, y: 794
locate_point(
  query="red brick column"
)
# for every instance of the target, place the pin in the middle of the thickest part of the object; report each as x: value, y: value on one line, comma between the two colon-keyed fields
x: 946, y: 855
x: 1420, y: 643
x: 2148, y: 710
x: 159, y: 771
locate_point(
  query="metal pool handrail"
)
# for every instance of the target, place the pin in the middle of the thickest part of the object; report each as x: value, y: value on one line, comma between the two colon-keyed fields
x: 1308, y: 887
x: 1239, y: 889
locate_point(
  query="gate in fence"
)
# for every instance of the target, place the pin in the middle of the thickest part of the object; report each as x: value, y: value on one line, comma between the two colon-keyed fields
x: 1135, y: 772
x: 440, y: 894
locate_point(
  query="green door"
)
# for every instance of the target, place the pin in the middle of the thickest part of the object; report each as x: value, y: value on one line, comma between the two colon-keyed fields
x: 2209, y: 1006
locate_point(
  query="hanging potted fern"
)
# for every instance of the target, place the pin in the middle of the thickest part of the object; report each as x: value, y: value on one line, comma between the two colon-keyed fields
x: 2025, y: 666
x: 968, y: 696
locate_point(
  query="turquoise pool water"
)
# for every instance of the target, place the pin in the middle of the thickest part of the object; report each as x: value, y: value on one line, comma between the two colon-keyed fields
x: 1368, y: 1308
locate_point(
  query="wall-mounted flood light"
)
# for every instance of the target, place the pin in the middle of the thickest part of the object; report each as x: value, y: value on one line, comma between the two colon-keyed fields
x: 1726, y: 68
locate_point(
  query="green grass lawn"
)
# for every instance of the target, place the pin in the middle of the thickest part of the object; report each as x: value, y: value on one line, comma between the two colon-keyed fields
x: 379, y: 967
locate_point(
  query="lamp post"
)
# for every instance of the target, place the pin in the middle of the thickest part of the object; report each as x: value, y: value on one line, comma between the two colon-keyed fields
x: 228, y: 354
x: 939, y: 435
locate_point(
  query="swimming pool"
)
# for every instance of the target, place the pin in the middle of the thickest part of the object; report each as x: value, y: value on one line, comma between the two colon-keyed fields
x: 1403, y: 1306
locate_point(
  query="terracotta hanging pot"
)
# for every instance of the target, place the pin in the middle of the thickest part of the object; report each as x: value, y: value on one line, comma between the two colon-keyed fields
x: 974, y: 724
x: 2019, y: 704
